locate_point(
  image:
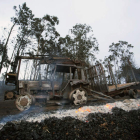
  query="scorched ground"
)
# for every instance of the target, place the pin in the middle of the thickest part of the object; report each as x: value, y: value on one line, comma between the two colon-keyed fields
x: 107, y: 120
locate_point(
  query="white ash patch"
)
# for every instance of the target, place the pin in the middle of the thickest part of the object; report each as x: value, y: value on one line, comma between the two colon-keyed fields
x: 127, y: 105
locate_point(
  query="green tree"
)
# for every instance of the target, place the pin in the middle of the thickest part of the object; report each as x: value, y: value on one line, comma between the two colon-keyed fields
x: 4, y: 58
x: 45, y: 33
x: 120, y: 53
x: 23, y: 20
x: 80, y: 44
x: 43, y: 29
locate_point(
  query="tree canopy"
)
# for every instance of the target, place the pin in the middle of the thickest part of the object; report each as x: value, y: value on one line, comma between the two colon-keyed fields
x: 38, y: 35
x: 80, y: 43
x: 120, y: 54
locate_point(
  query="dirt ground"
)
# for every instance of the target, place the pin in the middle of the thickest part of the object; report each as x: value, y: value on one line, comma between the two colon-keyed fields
x: 8, y: 107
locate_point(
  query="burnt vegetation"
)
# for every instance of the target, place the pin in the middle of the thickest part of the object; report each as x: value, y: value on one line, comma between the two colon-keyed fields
x: 37, y: 37
x: 118, y: 125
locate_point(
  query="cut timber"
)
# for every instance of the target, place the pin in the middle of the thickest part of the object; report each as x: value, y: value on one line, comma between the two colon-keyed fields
x: 121, y: 86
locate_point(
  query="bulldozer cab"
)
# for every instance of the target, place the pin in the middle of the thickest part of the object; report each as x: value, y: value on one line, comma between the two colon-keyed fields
x: 54, y: 75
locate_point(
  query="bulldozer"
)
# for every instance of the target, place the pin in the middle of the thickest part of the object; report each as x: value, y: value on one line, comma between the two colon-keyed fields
x: 62, y: 79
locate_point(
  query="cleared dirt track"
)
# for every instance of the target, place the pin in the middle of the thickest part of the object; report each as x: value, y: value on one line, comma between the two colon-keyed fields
x: 8, y: 108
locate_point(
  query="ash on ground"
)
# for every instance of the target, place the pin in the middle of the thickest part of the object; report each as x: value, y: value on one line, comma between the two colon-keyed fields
x: 127, y: 105
x: 118, y: 120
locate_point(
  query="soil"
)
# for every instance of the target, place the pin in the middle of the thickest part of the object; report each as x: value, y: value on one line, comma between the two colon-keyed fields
x: 98, y: 126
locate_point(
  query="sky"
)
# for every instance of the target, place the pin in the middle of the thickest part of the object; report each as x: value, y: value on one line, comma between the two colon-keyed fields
x: 111, y: 20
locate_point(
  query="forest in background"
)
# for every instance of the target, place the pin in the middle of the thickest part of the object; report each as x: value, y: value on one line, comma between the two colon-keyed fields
x: 38, y: 36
